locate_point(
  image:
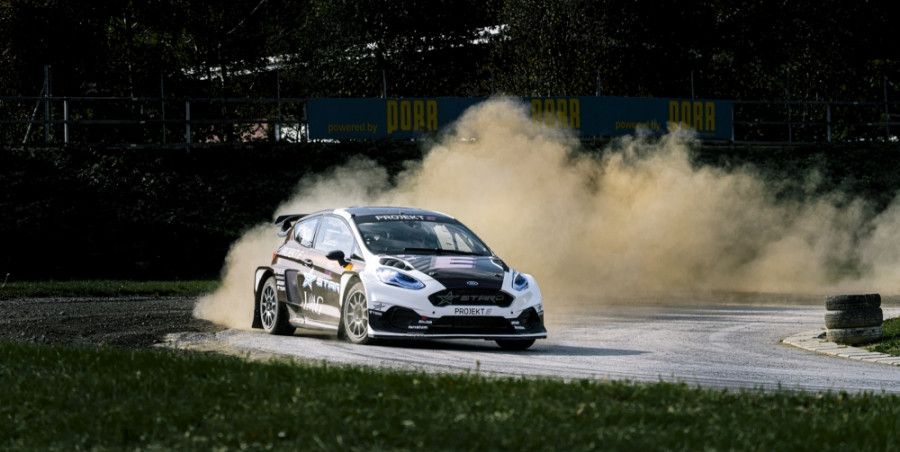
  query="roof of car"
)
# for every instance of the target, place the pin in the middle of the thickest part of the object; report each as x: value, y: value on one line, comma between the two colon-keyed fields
x: 385, y: 210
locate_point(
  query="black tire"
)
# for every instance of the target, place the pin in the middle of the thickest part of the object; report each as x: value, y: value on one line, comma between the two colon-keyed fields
x: 854, y: 336
x: 852, y: 302
x: 860, y: 318
x: 354, y: 325
x: 515, y: 344
x: 273, y: 313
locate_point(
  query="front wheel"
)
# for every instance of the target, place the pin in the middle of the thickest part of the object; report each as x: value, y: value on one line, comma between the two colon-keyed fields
x: 515, y: 344
x: 355, y: 316
x: 273, y: 313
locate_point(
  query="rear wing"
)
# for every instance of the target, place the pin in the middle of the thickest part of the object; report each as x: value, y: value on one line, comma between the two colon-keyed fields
x: 284, y: 222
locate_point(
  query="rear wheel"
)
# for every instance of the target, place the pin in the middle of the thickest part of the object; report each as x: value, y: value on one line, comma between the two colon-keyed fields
x: 515, y: 344
x: 355, y: 316
x: 273, y: 313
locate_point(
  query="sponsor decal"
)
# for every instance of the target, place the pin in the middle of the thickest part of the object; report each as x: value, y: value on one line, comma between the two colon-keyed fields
x: 291, y: 253
x: 450, y: 298
x: 310, y: 279
x: 446, y: 299
x: 399, y: 217
x: 417, y: 327
x: 312, y: 302
x: 472, y: 311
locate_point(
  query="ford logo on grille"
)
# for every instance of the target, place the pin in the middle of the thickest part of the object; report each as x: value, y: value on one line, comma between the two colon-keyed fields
x: 471, y: 283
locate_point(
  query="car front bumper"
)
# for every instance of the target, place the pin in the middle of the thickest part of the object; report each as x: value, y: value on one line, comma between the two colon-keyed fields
x: 396, y: 312
x: 403, y: 322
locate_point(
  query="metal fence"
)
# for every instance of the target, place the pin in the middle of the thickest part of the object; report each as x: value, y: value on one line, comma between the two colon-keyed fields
x: 147, y: 121
x: 796, y: 122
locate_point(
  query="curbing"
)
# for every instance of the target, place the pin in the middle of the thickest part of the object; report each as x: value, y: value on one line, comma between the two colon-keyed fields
x: 814, y: 341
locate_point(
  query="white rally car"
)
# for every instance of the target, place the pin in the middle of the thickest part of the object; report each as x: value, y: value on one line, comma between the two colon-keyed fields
x: 371, y: 273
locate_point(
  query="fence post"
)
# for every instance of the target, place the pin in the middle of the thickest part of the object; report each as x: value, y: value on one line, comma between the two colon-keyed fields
x: 278, y: 102
x: 305, y: 121
x: 887, y: 113
x: 187, y: 123
x: 732, y: 121
x: 46, y: 103
x: 790, y: 126
x: 162, y: 101
x: 66, y: 121
x: 828, y: 122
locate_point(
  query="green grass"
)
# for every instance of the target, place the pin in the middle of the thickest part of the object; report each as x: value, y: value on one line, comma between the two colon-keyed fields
x: 890, y: 341
x: 104, y: 288
x: 88, y: 398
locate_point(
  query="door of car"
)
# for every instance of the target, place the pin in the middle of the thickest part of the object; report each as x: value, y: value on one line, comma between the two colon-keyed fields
x: 333, y: 235
x: 296, y: 255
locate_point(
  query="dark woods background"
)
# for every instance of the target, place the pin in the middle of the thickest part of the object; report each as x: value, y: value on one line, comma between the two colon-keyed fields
x: 765, y: 49
x: 152, y: 213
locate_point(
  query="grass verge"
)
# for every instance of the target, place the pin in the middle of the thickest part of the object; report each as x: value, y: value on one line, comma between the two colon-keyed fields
x: 105, y: 398
x: 890, y: 341
x: 104, y: 288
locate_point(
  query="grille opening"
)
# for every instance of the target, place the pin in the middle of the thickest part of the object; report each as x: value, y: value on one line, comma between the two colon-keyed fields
x: 401, y: 317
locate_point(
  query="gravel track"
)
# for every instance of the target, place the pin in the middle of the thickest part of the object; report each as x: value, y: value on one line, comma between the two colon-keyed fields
x: 128, y: 321
x: 728, y: 346
x: 721, y: 347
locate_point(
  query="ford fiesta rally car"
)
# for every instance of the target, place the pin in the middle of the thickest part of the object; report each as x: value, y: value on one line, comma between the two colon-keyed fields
x: 371, y: 273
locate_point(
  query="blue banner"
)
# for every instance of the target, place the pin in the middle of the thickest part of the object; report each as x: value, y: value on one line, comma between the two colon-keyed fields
x: 605, y: 116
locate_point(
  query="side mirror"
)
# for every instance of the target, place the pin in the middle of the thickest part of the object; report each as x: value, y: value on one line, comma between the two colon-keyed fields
x: 337, y: 255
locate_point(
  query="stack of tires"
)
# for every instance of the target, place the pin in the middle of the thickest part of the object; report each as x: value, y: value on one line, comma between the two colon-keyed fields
x: 853, y: 319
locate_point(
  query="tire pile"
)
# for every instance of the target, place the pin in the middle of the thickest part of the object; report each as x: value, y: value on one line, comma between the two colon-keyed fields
x: 853, y: 319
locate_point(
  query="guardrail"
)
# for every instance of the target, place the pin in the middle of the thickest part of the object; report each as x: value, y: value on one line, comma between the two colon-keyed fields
x: 154, y: 121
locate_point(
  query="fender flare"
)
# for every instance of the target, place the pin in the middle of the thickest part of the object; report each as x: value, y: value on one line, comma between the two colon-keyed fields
x: 260, y: 275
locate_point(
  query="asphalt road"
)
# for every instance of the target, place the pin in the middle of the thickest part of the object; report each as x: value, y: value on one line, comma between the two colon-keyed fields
x: 725, y: 346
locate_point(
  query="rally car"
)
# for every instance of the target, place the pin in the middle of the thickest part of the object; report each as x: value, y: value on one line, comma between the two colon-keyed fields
x: 370, y: 273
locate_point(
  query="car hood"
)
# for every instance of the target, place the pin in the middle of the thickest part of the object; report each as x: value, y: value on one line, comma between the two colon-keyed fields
x: 458, y: 272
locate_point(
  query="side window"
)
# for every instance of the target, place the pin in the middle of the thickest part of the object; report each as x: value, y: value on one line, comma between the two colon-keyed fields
x: 335, y: 235
x: 305, y: 230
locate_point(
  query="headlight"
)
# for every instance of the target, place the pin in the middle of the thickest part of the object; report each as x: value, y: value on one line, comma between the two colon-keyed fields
x: 395, y: 278
x: 519, y: 282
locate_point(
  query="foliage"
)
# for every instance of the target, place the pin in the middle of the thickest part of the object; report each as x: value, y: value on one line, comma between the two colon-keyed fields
x: 770, y: 49
x: 150, y: 213
x: 890, y: 342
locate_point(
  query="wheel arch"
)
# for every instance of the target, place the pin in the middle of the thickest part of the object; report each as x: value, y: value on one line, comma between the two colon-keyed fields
x: 347, y: 280
x: 260, y: 276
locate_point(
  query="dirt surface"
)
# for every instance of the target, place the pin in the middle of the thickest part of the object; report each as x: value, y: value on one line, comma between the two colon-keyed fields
x: 127, y: 322
x: 725, y: 346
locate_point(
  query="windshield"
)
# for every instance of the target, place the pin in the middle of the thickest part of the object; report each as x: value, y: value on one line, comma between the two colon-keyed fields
x: 430, y: 235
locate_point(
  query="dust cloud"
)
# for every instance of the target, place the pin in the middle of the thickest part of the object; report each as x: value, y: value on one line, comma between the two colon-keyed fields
x: 638, y: 219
